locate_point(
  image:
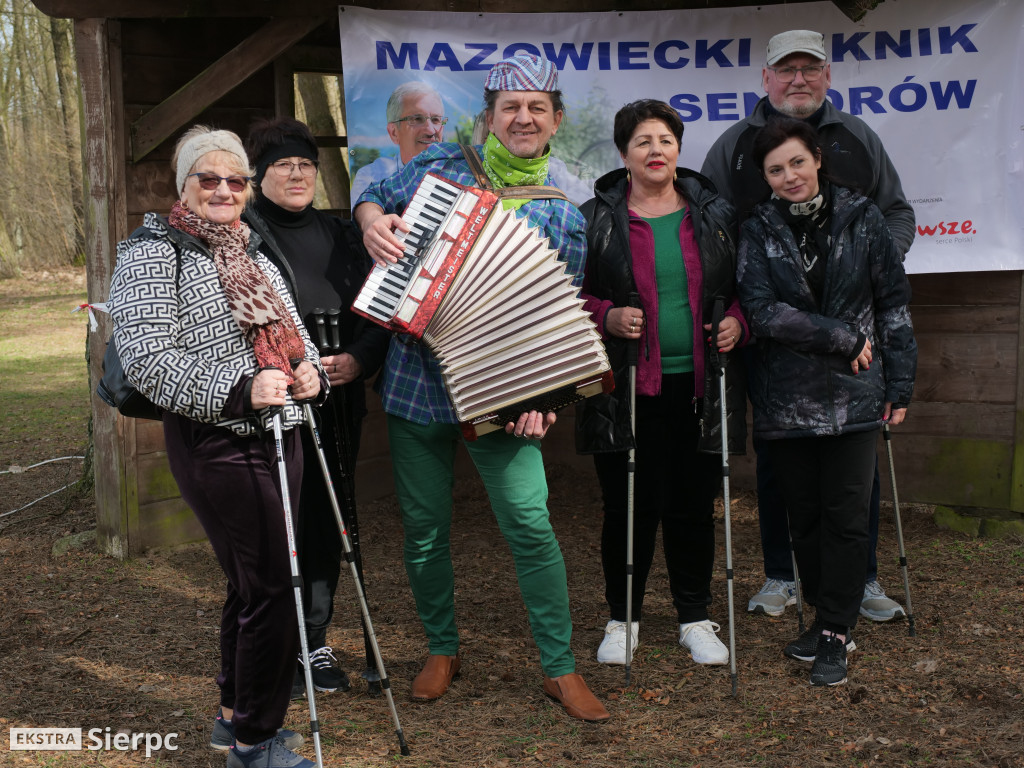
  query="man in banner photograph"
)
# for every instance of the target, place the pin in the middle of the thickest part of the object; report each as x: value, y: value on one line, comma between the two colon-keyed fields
x: 415, y: 115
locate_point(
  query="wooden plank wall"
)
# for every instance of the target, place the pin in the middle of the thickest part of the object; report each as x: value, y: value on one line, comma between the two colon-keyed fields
x: 959, y: 442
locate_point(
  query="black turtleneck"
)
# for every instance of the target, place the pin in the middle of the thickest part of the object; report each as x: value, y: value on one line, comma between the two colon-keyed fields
x: 309, y: 243
x: 322, y: 259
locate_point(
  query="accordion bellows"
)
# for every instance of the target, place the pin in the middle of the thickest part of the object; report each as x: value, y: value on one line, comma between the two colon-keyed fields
x: 493, y: 303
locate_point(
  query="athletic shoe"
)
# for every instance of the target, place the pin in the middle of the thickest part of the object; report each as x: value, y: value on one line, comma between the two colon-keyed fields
x: 268, y: 754
x: 773, y: 599
x: 705, y: 648
x: 223, y: 737
x: 327, y: 675
x: 829, y: 661
x: 805, y: 647
x: 613, y: 647
x: 877, y: 606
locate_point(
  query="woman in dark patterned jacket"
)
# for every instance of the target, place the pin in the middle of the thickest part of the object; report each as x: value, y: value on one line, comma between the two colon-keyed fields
x: 206, y: 329
x: 825, y: 292
x: 661, y: 232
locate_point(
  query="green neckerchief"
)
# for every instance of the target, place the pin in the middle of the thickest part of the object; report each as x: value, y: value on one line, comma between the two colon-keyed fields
x: 506, y: 170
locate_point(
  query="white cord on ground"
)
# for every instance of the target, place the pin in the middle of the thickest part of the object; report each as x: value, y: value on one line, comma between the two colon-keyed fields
x: 14, y: 470
x: 17, y: 470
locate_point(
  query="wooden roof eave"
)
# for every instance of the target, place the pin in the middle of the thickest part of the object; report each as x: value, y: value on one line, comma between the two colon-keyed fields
x: 141, y: 9
x: 230, y: 70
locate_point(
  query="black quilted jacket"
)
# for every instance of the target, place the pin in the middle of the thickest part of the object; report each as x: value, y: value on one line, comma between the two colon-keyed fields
x: 802, y: 384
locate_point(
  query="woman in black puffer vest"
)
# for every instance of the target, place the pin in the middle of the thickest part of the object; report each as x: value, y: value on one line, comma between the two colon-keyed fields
x: 662, y: 233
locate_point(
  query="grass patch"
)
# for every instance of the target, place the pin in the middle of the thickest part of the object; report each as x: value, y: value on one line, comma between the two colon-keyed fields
x: 44, y: 382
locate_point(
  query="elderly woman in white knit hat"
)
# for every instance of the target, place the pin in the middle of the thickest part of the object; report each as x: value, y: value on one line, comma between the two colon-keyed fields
x: 206, y: 329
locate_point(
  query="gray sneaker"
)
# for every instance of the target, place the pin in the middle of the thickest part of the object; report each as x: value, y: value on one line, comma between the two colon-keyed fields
x: 268, y: 754
x: 223, y: 737
x: 773, y: 598
x: 877, y: 606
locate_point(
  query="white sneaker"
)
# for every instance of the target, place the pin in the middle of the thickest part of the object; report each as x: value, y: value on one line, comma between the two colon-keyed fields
x: 878, y: 606
x: 705, y: 648
x: 773, y: 599
x: 613, y: 647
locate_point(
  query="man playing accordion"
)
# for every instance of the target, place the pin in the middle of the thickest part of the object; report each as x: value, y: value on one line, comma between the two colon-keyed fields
x: 524, y: 110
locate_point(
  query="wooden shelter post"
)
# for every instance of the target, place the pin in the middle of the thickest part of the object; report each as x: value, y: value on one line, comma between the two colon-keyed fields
x: 97, y: 45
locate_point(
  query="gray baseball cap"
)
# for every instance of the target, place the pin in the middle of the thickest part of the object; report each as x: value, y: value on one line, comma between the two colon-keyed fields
x: 796, y: 41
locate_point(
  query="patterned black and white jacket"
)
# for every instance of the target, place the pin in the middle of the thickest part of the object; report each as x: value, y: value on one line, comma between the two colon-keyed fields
x: 178, y: 343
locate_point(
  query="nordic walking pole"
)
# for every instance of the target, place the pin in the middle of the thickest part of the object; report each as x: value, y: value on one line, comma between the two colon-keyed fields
x: 385, y: 683
x: 899, y: 531
x: 632, y: 355
x: 796, y: 582
x: 716, y: 320
x: 293, y: 559
x: 336, y: 411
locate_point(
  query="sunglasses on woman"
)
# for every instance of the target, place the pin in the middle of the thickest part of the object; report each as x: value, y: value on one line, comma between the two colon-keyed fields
x: 210, y: 181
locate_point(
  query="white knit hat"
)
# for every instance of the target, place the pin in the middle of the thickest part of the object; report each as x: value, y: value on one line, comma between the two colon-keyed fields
x: 199, y: 145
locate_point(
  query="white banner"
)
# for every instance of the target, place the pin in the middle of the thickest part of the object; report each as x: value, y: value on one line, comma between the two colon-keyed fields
x: 936, y: 79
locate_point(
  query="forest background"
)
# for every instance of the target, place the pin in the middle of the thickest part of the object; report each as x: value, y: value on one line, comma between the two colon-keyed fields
x: 41, y: 191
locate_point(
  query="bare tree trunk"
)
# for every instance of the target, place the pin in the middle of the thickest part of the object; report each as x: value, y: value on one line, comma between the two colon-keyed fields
x: 321, y: 120
x: 67, y: 85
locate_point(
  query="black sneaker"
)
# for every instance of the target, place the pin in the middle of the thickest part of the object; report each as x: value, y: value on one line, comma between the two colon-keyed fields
x: 829, y: 661
x: 327, y: 675
x: 805, y: 647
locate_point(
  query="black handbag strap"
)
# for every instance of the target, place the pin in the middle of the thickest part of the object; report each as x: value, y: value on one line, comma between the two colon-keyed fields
x: 530, y: 192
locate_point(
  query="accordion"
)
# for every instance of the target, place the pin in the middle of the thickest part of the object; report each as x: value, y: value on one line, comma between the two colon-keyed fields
x: 493, y: 303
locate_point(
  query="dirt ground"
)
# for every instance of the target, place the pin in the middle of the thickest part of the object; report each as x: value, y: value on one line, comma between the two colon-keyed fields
x: 92, y: 642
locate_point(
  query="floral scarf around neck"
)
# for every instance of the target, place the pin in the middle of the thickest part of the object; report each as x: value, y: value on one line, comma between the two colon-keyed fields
x: 506, y: 170
x: 255, y: 305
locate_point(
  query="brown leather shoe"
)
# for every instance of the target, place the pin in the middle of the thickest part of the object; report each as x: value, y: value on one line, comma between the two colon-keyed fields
x: 573, y: 694
x: 435, y: 677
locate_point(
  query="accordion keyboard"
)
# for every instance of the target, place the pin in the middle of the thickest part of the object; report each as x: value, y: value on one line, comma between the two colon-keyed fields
x: 426, y: 214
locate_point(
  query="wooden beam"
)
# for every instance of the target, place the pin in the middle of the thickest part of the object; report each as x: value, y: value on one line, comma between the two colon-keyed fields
x: 284, y: 88
x: 97, y: 47
x: 855, y: 10
x: 233, y: 68
x: 149, y: 9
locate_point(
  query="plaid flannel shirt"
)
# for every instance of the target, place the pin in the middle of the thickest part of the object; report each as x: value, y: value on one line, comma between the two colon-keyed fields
x: 411, y: 385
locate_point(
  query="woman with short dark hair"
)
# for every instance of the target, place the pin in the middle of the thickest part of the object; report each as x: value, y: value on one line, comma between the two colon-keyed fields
x: 662, y: 232
x: 322, y: 259
x: 824, y: 288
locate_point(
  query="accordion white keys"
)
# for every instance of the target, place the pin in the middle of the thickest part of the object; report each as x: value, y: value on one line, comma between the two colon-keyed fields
x: 496, y: 307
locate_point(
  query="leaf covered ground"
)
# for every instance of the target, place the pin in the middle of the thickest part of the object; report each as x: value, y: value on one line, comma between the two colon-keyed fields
x: 93, y: 642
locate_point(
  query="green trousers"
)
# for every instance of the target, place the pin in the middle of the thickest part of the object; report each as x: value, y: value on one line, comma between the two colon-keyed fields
x: 512, y: 470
